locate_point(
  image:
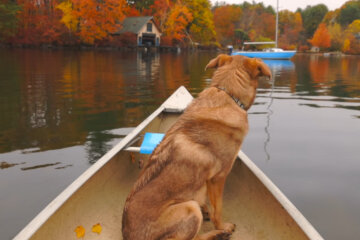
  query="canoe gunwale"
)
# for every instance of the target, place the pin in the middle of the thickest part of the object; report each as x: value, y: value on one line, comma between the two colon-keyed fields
x: 298, y: 217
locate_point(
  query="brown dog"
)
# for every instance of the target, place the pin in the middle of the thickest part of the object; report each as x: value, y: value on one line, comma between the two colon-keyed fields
x: 194, y: 159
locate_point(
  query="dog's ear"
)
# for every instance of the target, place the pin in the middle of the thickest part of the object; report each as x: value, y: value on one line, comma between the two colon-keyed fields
x: 219, y: 61
x: 256, y: 68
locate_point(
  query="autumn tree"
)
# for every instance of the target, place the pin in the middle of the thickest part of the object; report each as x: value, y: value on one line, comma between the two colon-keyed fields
x: 141, y: 5
x: 331, y: 17
x: 68, y: 18
x: 131, y: 11
x: 226, y: 19
x: 290, y: 28
x: 201, y: 28
x: 321, y: 37
x: 39, y: 23
x: 253, y: 18
x: 336, y: 36
x: 8, y: 18
x: 352, y: 38
x: 354, y: 27
x: 92, y: 19
x: 175, y: 26
x: 160, y: 10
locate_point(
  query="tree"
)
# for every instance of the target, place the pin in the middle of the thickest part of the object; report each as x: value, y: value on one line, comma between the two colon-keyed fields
x: 352, y: 38
x: 331, y: 17
x: 175, y: 25
x: 354, y: 27
x: 68, y: 18
x: 201, y: 28
x: 321, y: 37
x: 241, y: 36
x: 312, y: 17
x: 336, y: 36
x: 226, y: 19
x: 39, y: 23
x: 290, y: 28
x: 141, y: 5
x: 8, y: 19
x: 349, y: 12
x: 346, y: 45
x: 159, y: 10
x: 97, y: 19
x: 253, y: 18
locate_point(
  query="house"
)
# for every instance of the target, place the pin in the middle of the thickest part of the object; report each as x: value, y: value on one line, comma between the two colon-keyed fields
x: 315, y: 49
x: 145, y: 29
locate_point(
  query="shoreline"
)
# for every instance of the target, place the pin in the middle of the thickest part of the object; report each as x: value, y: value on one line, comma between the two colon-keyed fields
x: 153, y: 49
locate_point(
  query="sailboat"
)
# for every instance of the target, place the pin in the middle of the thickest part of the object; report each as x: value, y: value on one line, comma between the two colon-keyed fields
x: 268, y: 53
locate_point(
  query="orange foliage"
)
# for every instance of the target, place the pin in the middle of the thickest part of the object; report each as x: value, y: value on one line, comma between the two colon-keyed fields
x: 159, y: 10
x: 39, y: 23
x: 257, y: 22
x: 131, y: 11
x: 166, y: 41
x: 175, y: 25
x: 290, y: 26
x: 98, y: 19
x: 225, y: 19
x: 321, y: 37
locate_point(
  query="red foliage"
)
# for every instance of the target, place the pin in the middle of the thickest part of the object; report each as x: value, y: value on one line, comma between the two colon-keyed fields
x: 127, y: 39
x: 303, y: 48
x: 39, y: 23
x: 166, y: 41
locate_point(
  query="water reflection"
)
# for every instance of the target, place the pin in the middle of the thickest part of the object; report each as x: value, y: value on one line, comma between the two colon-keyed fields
x: 335, y: 76
x: 56, y: 99
x: 277, y: 65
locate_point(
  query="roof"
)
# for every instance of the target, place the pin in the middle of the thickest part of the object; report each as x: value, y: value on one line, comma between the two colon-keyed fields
x: 134, y: 24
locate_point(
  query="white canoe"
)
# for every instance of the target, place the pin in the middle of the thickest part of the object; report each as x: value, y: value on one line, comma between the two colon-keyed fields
x: 251, y: 201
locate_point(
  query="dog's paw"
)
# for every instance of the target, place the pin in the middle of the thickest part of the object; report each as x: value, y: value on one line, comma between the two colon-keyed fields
x: 228, y: 227
x: 223, y: 236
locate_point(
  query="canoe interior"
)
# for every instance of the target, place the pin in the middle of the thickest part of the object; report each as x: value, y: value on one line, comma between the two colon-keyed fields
x: 247, y: 203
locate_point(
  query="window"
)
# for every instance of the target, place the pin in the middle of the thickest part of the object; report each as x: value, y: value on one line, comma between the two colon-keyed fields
x: 149, y: 27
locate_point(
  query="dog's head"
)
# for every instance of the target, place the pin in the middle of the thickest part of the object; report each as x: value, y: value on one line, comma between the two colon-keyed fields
x: 238, y: 75
x: 255, y: 67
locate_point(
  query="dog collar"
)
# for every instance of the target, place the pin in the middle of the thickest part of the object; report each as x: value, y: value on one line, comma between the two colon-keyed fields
x: 236, y: 100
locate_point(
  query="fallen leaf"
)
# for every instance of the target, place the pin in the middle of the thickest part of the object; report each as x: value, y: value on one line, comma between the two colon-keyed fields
x: 97, y: 228
x: 80, y: 231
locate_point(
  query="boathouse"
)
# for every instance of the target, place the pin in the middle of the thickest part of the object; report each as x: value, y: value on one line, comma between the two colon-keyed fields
x: 145, y: 29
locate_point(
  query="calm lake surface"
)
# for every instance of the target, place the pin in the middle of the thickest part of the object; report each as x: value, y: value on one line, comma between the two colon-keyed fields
x: 60, y: 111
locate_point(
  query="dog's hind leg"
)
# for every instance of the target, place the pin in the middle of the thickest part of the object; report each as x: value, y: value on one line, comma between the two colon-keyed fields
x: 181, y: 221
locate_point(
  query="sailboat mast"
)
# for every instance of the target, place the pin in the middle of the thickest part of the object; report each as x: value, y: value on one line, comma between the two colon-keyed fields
x: 277, y: 23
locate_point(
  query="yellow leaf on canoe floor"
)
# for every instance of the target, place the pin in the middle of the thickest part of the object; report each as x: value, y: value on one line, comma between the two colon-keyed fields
x: 97, y: 228
x: 80, y: 231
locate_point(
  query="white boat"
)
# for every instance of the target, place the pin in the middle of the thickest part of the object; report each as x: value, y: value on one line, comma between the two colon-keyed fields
x: 91, y: 207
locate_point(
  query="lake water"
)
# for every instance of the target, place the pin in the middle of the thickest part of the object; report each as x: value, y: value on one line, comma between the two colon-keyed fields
x: 60, y: 111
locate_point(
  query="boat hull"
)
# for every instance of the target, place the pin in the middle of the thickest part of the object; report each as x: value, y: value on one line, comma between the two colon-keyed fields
x: 267, y: 55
